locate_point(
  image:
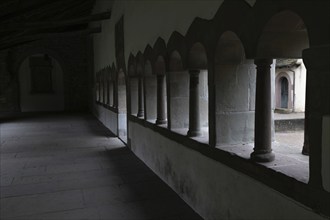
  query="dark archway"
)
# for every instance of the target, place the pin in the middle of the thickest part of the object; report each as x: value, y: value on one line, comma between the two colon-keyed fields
x: 41, y: 83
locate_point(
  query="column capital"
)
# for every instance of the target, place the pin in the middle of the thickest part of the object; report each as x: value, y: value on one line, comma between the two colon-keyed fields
x: 160, y: 74
x: 263, y: 61
x: 194, y: 71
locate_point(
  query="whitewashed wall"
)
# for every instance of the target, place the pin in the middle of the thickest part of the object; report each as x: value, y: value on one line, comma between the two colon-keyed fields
x: 300, y: 87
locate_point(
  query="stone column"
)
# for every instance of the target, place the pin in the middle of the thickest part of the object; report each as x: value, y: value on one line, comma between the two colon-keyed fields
x: 194, y: 112
x: 161, y: 99
x: 108, y: 92
x: 305, y: 150
x: 103, y: 90
x: 115, y: 93
x: 99, y: 88
x: 263, y: 113
x: 140, y: 113
x: 317, y: 109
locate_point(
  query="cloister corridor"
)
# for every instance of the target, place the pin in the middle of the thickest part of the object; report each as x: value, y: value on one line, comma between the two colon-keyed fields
x: 62, y: 166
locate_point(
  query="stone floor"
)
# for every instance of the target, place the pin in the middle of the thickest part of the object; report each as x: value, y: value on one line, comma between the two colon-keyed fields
x: 70, y: 167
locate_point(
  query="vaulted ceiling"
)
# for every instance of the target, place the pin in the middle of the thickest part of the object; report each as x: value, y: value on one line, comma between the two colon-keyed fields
x: 23, y: 21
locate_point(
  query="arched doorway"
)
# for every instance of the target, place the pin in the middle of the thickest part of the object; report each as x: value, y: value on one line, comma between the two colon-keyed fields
x: 284, y: 92
x: 41, y: 84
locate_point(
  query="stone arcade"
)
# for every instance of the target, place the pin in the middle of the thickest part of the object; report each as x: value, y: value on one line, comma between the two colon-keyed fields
x: 189, y: 88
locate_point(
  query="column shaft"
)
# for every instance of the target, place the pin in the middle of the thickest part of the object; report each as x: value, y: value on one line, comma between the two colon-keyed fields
x: 108, y: 92
x: 115, y: 94
x: 317, y: 109
x: 263, y: 113
x: 194, y: 111
x: 140, y: 98
x: 305, y: 149
x: 161, y: 100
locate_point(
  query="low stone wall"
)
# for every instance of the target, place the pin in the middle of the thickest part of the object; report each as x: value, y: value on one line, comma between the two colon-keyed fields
x: 290, y: 125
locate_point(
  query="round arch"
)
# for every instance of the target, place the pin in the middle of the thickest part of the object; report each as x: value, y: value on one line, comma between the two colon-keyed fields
x: 41, y: 83
x: 22, y: 56
x: 197, y: 57
x: 234, y: 91
x: 150, y: 92
x: 283, y: 36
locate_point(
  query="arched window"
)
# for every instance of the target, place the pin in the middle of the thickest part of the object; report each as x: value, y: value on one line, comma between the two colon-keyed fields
x: 198, y: 93
x: 150, y: 85
x: 179, y: 95
x: 234, y: 90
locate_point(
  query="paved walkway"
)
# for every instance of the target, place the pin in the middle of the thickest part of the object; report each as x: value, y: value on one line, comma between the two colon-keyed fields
x: 70, y: 167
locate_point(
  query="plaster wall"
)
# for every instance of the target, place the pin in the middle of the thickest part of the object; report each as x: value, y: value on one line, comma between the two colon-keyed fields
x: 41, y: 101
x: 300, y: 88
x: 213, y: 190
x: 167, y: 16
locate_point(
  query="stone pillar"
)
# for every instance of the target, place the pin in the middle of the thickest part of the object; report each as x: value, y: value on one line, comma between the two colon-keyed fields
x: 317, y: 64
x: 115, y: 93
x: 140, y: 113
x: 103, y: 89
x: 305, y: 150
x: 194, y: 112
x: 263, y: 113
x: 108, y: 92
x: 161, y: 99
x: 98, y: 88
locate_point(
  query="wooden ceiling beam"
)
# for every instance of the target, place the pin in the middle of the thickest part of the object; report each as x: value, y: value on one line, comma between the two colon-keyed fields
x: 55, y: 24
x: 13, y: 12
x: 29, y: 38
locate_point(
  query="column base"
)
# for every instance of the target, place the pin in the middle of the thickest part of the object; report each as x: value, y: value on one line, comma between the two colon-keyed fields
x: 161, y: 121
x: 140, y: 114
x: 305, y: 150
x: 194, y: 133
x: 262, y: 156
